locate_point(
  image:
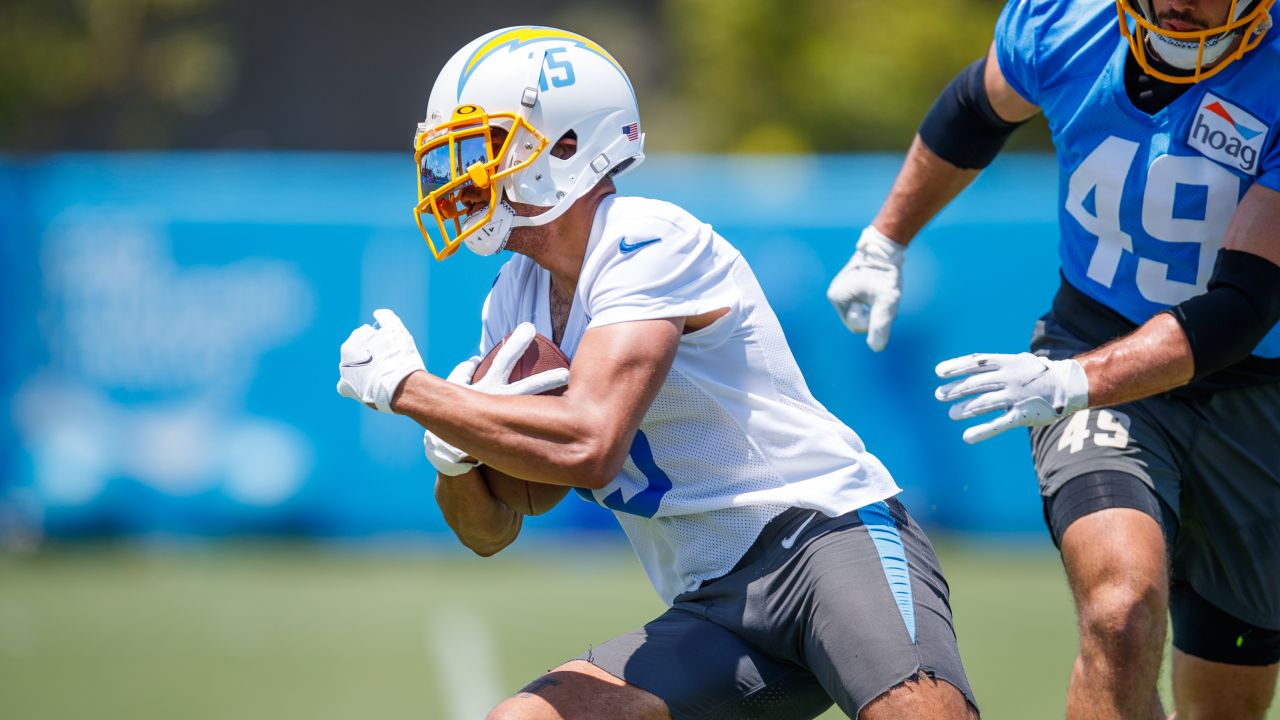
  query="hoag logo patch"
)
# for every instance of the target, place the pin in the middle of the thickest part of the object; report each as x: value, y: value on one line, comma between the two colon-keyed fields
x: 1225, y: 133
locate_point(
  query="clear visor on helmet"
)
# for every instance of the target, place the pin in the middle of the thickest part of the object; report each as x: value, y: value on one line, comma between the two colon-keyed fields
x: 459, y: 166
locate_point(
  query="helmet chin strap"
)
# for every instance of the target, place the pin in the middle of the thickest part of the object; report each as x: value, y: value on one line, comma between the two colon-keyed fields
x: 492, y: 237
x: 596, y: 170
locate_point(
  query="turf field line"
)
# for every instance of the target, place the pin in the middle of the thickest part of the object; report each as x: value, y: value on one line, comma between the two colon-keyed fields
x: 462, y: 648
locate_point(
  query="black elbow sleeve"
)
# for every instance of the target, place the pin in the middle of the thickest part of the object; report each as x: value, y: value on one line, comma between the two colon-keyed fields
x: 962, y: 127
x: 1226, y: 323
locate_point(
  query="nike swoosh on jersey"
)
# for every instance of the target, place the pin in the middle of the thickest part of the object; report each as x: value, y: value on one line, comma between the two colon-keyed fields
x: 359, y: 363
x: 790, y: 540
x: 626, y: 247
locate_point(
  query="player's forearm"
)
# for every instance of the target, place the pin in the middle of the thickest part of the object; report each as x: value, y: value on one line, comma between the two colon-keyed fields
x: 925, y: 184
x: 482, y: 522
x: 540, y: 438
x: 1153, y: 359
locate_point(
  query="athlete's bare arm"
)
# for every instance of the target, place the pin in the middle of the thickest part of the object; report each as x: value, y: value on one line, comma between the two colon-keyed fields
x: 1150, y: 360
x: 927, y: 183
x: 482, y: 522
x: 1255, y: 227
x: 580, y: 438
x: 1157, y: 357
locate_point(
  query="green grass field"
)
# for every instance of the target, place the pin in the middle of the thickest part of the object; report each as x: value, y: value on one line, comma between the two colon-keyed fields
x: 265, y: 631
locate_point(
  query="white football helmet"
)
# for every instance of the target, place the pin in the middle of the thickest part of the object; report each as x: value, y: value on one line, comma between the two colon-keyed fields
x: 539, y: 85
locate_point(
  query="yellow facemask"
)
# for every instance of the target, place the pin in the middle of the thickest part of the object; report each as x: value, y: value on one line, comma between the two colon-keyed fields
x: 456, y: 156
x: 1247, y: 31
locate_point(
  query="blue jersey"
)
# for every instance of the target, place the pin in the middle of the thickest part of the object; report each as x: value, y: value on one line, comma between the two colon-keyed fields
x: 1145, y: 200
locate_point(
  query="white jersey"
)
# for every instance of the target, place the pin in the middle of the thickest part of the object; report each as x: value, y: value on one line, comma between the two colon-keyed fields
x: 734, y: 436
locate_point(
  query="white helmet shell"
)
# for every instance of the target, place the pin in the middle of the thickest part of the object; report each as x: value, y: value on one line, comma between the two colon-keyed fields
x: 559, y: 82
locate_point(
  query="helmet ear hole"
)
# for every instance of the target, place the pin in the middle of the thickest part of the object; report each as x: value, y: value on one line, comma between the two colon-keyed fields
x: 566, y: 147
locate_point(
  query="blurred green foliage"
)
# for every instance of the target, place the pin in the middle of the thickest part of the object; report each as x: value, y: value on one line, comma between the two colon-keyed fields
x: 755, y: 76
x: 134, y: 66
x: 812, y: 75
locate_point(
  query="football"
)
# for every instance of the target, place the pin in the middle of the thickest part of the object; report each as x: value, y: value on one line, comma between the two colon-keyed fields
x: 526, y: 498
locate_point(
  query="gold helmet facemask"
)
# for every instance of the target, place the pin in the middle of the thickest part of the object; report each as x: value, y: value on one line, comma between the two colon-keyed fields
x: 458, y: 155
x: 1197, y: 51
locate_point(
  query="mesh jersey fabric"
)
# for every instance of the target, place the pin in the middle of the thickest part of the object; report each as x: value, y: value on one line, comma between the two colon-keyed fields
x: 734, y: 436
x: 1144, y: 200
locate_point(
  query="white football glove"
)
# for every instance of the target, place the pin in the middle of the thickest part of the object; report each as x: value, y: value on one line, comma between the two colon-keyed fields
x: 445, y: 458
x: 375, y: 360
x: 865, y: 293
x: 1031, y: 390
x: 496, y: 380
x: 448, y: 459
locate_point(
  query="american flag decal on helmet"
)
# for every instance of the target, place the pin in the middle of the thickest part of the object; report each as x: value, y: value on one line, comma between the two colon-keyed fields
x: 631, y: 130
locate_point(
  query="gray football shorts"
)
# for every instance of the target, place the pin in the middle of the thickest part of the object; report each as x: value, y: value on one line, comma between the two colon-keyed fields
x: 1212, y: 460
x: 820, y: 610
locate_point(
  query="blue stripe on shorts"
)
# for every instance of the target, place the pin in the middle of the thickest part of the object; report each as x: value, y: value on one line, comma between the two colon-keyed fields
x: 893, y: 559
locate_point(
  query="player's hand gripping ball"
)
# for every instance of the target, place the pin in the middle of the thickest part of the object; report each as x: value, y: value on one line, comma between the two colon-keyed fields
x: 524, y: 363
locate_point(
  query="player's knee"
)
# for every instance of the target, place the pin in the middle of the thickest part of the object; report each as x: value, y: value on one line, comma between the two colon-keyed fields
x: 1124, y: 617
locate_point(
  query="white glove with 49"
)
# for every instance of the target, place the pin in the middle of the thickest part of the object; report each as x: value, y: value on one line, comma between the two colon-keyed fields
x: 865, y: 292
x: 449, y: 460
x: 376, y: 359
x: 1031, y: 390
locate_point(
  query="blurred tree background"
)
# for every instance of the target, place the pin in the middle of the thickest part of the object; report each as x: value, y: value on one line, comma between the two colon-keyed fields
x: 712, y: 75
